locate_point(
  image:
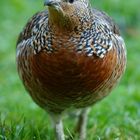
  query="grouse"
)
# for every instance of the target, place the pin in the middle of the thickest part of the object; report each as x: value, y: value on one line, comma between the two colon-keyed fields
x: 70, y: 56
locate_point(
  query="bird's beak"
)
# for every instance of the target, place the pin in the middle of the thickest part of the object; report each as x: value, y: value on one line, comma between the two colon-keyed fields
x: 53, y: 3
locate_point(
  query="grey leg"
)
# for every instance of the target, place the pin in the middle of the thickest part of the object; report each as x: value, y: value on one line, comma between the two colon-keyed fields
x: 58, y: 126
x: 82, y: 123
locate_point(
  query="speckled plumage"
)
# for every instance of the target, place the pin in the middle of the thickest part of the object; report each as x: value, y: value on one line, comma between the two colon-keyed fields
x: 70, y: 61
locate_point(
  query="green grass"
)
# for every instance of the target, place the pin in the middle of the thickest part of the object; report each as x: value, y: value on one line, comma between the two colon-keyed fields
x: 115, y: 118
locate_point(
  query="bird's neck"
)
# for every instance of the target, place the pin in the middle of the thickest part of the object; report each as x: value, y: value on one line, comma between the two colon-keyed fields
x: 61, y: 22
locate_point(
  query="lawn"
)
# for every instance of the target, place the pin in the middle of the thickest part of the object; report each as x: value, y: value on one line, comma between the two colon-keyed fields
x: 115, y: 118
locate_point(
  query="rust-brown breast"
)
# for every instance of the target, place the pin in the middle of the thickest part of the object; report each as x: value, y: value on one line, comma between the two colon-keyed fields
x: 65, y: 72
x: 64, y: 78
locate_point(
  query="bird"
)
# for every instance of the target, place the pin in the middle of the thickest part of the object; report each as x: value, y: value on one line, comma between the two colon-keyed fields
x: 70, y: 56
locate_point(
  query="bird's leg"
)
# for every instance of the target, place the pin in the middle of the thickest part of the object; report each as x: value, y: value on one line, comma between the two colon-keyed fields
x: 82, y: 123
x: 58, y: 126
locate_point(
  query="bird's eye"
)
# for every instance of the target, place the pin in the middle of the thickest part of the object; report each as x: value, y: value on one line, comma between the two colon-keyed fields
x: 71, y: 1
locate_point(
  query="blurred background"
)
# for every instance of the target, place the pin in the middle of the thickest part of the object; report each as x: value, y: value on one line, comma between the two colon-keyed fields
x: 115, y: 118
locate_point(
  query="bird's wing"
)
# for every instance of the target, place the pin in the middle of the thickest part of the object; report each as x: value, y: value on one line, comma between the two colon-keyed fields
x: 105, y: 33
x: 31, y: 27
x: 108, y: 20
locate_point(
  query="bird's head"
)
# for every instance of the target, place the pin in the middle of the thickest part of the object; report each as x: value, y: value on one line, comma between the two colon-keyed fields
x: 66, y: 14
